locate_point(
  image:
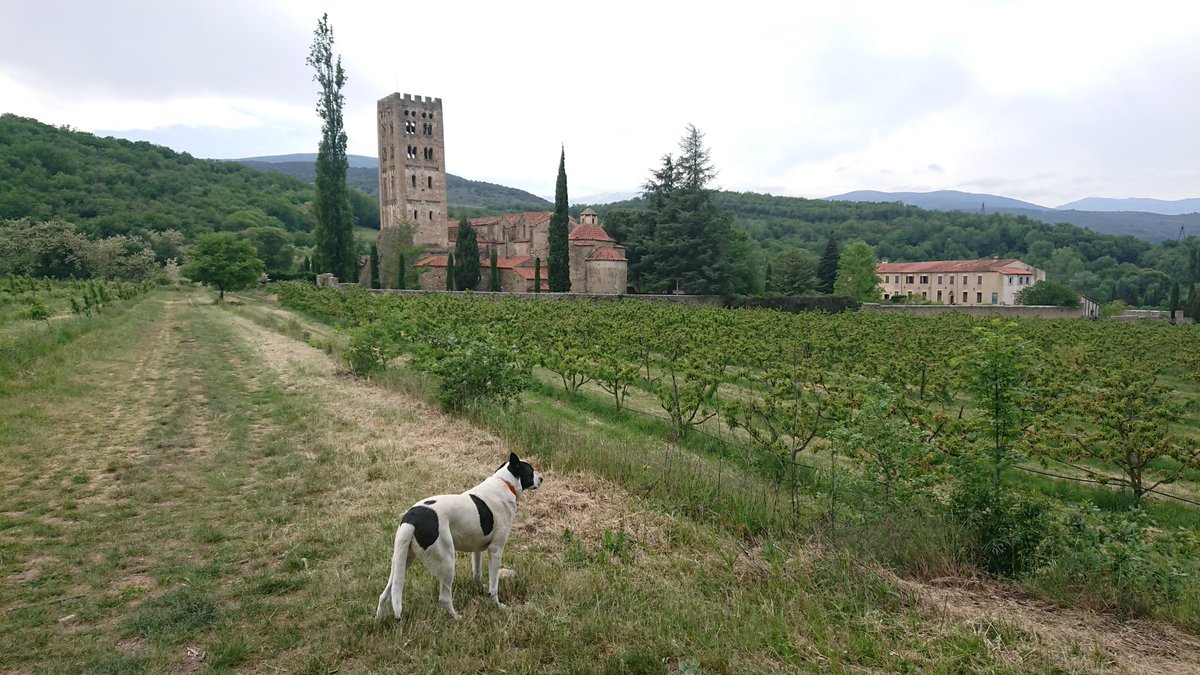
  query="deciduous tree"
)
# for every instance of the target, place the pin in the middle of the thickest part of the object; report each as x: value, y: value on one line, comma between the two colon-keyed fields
x: 856, y: 273
x: 224, y: 262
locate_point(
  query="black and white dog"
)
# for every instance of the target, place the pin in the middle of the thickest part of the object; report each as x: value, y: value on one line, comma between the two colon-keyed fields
x: 477, y: 520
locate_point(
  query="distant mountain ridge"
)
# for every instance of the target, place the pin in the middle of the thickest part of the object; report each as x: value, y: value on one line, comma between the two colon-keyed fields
x: 1176, y: 207
x: 940, y: 200
x: 1150, y: 226
x: 363, y: 175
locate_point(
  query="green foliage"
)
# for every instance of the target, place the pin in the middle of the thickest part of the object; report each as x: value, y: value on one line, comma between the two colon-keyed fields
x: 274, y: 246
x: 559, y: 273
x: 493, y: 273
x: 374, y: 268
x: 225, y: 262
x: 794, y: 272
x: 474, y: 371
x: 1122, y: 418
x: 334, y: 231
x: 856, y: 273
x: 466, y: 257
x: 1048, y: 293
x: 828, y: 266
x: 894, y: 453
x: 1122, y: 562
x: 684, y: 240
x: 112, y: 186
x: 537, y: 275
x: 1005, y: 529
x: 450, y: 268
x: 36, y: 310
x: 996, y: 377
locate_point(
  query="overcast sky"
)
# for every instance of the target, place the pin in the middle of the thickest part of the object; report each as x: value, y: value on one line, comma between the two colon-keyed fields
x: 1047, y: 101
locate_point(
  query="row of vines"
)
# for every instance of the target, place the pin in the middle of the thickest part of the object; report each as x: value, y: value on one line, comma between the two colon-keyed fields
x: 951, y: 410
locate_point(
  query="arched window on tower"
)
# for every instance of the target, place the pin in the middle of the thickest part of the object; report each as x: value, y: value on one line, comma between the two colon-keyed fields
x: 414, y: 180
x: 429, y: 182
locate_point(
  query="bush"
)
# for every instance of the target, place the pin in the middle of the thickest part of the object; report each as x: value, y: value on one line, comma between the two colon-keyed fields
x: 1005, y: 529
x: 1118, y: 561
x: 472, y: 371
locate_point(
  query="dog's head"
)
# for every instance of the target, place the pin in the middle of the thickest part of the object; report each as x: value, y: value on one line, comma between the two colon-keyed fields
x: 521, y: 473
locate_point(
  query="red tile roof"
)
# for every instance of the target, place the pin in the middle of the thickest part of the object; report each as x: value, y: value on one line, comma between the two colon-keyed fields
x: 527, y: 273
x: 433, y: 261
x: 605, y: 253
x: 590, y: 233
x: 1014, y: 270
x: 983, y: 265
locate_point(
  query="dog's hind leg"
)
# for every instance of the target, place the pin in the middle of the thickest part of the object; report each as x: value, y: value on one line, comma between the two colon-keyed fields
x: 440, y: 561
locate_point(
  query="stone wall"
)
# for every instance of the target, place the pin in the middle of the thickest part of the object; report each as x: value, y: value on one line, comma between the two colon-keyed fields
x: 980, y: 310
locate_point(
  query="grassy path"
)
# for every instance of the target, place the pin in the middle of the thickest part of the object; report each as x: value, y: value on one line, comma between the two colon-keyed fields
x: 184, y: 490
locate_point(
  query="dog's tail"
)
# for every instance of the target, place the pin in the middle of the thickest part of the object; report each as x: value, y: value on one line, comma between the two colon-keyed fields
x: 393, y: 593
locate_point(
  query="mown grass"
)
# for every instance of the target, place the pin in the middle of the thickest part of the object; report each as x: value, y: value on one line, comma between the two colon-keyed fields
x: 170, y: 503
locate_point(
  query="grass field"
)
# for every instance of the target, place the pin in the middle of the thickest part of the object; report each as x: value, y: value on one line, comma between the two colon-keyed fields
x: 195, y: 487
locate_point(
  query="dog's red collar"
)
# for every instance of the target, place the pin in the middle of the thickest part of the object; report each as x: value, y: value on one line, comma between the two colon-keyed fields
x: 509, y: 486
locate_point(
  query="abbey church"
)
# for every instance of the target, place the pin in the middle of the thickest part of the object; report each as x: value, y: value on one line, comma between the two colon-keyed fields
x: 412, y: 192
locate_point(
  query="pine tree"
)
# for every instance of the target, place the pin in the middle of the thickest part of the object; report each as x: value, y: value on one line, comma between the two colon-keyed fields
x: 334, y: 231
x: 466, y: 255
x: 374, y: 280
x: 494, y: 274
x: 688, y: 244
x: 537, y: 275
x: 828, y: 267
x: 450, y: 273
x: 560, y: 252
x: 768, y: 278
x: 401, y: 274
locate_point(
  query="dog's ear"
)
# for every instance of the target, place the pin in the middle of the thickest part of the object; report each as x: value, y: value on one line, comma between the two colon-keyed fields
x: 513, y: 459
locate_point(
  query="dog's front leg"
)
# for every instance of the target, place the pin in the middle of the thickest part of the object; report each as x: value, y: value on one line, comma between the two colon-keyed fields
x: 477, y: 567
x: 494, y: 555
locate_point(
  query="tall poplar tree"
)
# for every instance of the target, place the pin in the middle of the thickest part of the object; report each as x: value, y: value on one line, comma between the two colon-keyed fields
x: 334, y: 232
x: 560, y: 253
x: 466, y: 257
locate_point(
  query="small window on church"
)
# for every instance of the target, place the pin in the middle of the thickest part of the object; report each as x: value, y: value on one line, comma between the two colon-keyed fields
x: 431, y: 215
x: 414, y: 214
x: 414, y: 181
x: 429, y: 182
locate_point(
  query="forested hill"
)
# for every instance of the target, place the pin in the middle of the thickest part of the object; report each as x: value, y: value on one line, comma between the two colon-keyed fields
x: 110, y: 186
x: 1099, y: 265
x: 364, y: 175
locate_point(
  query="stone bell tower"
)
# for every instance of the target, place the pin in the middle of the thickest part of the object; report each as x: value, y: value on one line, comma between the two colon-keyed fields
x: 412, y: 169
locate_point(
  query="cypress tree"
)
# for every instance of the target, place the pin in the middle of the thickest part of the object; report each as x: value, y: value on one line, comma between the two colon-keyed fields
x: 450, y: 272
x: 768, y: 278
x: 494, y: 274
x: 374, y: 280
x: 466, y: 256
x: 560, y: 252
x: 1174, y: 300
x: 334, y: 231
x: 401, y: 274
x: 1192, y: 304
x: 827, y: 268
x: 537, y: 275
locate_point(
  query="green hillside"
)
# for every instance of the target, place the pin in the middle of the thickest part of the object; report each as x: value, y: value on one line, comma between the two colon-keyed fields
x: 109, y: 186
x: 1102, y: 266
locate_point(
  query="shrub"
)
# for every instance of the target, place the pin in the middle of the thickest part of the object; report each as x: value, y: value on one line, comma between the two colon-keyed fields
x: 472, y: 371
x: 1005, y: 529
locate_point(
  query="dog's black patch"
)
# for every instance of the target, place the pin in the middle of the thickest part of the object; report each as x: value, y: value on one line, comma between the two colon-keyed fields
x: 427, y: 502
x: 522, y: 471
x: 425, y: 524
x: 486, y: 521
